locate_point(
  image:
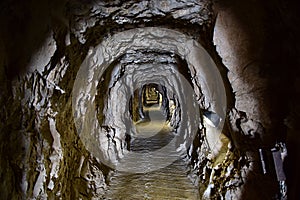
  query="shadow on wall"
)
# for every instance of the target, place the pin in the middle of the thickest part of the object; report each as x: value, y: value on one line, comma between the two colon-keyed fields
x: 280, y: 68
x: 24, y: 27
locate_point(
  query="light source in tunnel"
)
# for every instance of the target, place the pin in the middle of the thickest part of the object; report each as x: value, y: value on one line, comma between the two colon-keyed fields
x: 155, y: 97
x: 150, y: 96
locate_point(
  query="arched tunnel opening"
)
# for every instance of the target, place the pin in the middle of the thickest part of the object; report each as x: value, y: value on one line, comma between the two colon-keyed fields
x: 149, y: 99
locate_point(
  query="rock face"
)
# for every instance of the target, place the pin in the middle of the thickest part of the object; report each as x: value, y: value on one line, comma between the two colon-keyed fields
x: 82, y: 60
x: 240, y: 44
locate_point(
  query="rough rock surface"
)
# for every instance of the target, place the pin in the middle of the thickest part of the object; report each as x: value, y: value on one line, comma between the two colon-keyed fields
x: 240, y: 46
x: 116, y: 13
x: 42, y: 156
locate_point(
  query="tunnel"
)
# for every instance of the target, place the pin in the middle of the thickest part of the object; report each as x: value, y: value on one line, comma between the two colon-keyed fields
x: 148, y: 99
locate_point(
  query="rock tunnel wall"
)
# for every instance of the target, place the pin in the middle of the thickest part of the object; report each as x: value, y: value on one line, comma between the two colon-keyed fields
x: 42, y: 155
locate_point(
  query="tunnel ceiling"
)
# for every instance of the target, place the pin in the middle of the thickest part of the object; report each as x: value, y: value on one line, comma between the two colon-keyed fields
x: 117, y: 15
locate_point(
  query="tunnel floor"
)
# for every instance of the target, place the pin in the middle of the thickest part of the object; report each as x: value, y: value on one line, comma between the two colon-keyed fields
x: 170, y: 182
